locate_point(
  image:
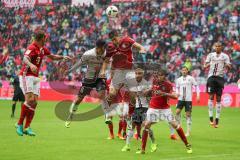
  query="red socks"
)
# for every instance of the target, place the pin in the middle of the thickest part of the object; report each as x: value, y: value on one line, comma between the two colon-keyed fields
x: 138, y: 130
x: 144, y: 139
x: 120, y: 127
x: 182, y: 135
x: 27, y: 113
x: 23, y: 114
x: 110, y: 126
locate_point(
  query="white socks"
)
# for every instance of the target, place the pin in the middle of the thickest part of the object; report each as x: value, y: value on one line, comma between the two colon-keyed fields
x: 218, y: 109
x: 73, y: 108
x: 210, y: 108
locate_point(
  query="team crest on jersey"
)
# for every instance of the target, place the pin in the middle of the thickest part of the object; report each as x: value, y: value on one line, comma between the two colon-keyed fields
x: 125, y: 45
x: 28, y: 52
x: 42, y: 51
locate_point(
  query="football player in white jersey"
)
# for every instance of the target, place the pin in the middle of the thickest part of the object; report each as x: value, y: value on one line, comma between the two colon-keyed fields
x: 217, y: 61
x: 184, y: 85
x: 94, y: 59
x: 137, y: 84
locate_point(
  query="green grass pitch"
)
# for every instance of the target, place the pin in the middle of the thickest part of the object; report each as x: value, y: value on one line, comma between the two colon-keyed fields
x: 87, y: 140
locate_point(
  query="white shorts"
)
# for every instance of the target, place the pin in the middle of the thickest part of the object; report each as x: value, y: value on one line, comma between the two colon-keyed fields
x: 119, y: 78
x: 120, y: 109
x: 156, y: 115
x: 30, y: 84
x: 116, y: 109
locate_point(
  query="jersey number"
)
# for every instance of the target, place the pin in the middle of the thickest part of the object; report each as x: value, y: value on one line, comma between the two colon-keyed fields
x: 215, y: 69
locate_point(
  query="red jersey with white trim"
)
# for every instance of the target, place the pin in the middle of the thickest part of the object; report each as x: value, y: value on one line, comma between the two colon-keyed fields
x: 36, y: 55
x: 122, y: 55
x: 160, y: 102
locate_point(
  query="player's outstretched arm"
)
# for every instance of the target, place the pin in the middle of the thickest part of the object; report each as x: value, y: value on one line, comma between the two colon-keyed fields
x: 58, y: 57
x: 206, y: 65
x: 171, y: 95
x: 75, y: 66
x: 139, y: 47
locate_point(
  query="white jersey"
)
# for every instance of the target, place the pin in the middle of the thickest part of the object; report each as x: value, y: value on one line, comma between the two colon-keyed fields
x: 217, y: 63
x: 184, y: 87
x: 93, y: 63
x: 139, y: 87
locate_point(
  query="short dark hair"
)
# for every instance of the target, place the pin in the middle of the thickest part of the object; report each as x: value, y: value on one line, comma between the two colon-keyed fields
x: 162, y: 72
x: 185, y: 67
x: 101, y: 43
x: 39, y: 34
x: 113, y: 33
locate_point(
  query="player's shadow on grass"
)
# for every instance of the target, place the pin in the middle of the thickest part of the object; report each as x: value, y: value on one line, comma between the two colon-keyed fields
x: 62, y: 111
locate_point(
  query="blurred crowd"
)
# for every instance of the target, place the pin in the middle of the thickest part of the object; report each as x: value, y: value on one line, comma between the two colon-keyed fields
x: 175, y: 33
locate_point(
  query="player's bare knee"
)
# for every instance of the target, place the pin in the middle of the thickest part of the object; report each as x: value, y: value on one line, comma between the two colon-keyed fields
x: 178, y: 111
x: 174, y: 124
x: 188, y: 114
x: 101, y: 96
x: 218, y: 98
x: 147, y: 125
x: 211, y: 96
x: 79, y: 100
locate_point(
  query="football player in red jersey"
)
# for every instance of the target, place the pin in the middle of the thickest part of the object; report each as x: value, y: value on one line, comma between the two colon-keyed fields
x: 120, y: 49
x: 29, y: 80
x: 117, y: 109
x: 160, y: 110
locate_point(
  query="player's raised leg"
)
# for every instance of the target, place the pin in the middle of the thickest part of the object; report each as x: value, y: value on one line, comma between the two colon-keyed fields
x: 181, y: 135
x: 74, y: 106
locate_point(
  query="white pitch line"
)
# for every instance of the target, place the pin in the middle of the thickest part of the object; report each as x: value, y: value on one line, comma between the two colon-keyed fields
x: 200, y: 156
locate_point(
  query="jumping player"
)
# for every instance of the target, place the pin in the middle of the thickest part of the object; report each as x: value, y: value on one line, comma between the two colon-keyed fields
x: 94, y: 59
x: 120, y: 49
x: 217, y: 61
x: 117, y: 109
x: 29, y: 80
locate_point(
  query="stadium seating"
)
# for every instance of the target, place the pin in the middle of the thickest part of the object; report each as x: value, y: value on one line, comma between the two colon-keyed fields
x: 176, y: 34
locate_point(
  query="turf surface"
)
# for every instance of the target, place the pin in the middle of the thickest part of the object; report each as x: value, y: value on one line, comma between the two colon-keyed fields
x: 87, y: 140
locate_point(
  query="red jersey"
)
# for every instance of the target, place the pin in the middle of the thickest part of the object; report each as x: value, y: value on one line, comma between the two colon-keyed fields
x: 160, y: 102
x: 122, y: 56
x: 36, y: 55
